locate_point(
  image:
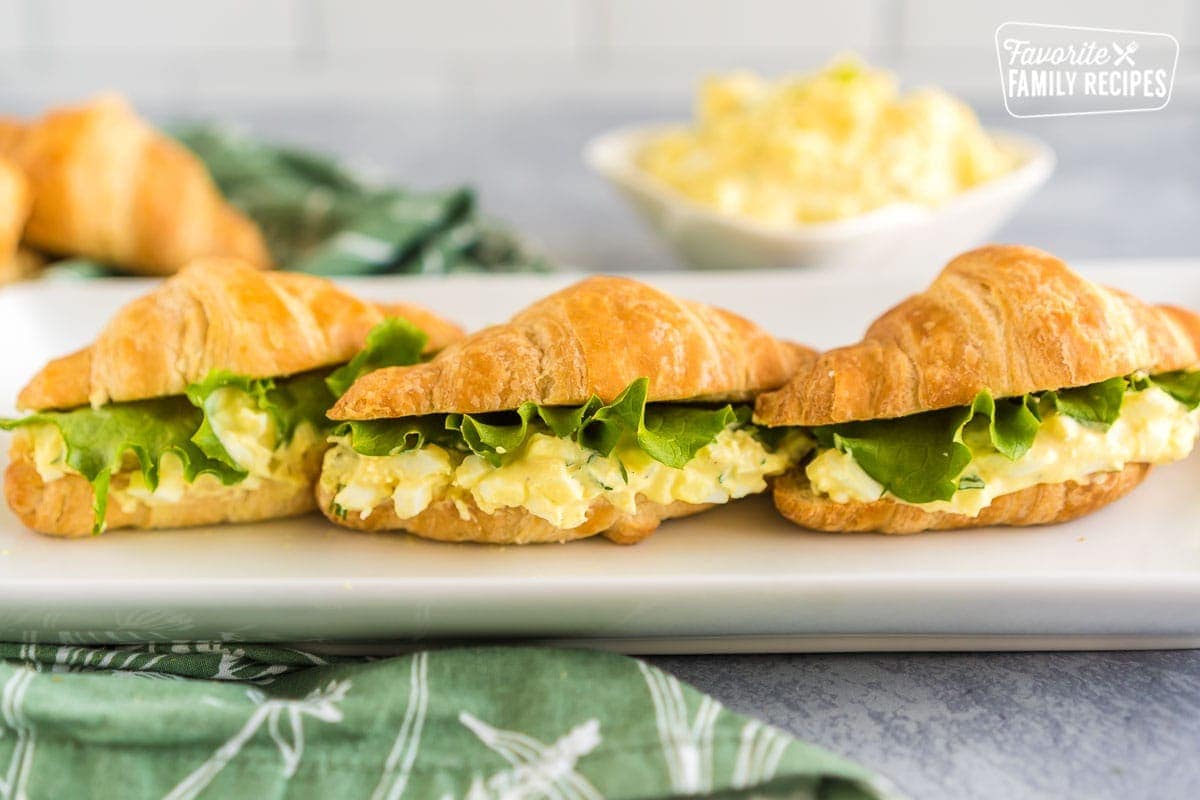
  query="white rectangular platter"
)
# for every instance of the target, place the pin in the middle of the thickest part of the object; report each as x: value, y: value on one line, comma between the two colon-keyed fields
x: 737, y: 578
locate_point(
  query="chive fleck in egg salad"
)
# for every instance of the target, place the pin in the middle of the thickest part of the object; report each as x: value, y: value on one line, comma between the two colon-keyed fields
x: 841, y: 142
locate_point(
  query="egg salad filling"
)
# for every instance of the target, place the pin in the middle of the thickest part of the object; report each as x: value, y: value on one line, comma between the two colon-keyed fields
x: 961, y: 460
x: 823, y: 147
x: 249, y: 434
x: 556, y: 463
x: 556, y: 479
x: 252, y: 438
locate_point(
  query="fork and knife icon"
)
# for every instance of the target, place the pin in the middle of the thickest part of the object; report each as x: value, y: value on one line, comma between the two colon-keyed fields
x: 1124, y: 54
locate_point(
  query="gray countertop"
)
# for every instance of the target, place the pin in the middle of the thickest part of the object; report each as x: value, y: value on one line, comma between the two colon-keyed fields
x: 1051, y: 725
x: 983, y: 725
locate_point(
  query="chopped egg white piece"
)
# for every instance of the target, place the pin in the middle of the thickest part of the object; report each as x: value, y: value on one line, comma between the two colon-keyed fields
x: 49, y: 450
x: 246, y: 431
x: 555, y: 479
x: 1153, y: 428
x: 412, y: 479
x: 248, y: 434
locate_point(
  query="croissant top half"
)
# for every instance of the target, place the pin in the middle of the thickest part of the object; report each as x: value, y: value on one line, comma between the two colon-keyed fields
x: 218, y: 314
x: 1003, y: 318
x: 595, y: 337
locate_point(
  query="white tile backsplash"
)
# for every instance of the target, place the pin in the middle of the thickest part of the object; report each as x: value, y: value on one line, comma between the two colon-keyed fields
x: 28, y: 88
x: 12, y: 25
x: 766, y: 24
x: 130, y: 26
x: 934, y: 23
x: 452, y: 26
x: 637, y: 74
x: 367, y: 77
x: 479, y: 51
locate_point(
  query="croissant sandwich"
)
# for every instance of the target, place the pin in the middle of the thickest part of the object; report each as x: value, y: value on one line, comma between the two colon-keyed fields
x: 106, y: 185
x: 1011, y: 392
x: 604, y: 408
x: 201, y: 402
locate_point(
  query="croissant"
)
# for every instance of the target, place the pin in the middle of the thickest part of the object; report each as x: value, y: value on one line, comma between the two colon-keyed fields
x: 595, y: 339
x: 20, y: 265
x: 1005, y: 320
x: 107, y: 186
x: 215, y: 315
x: 15, y: 263
x: 11, y: 130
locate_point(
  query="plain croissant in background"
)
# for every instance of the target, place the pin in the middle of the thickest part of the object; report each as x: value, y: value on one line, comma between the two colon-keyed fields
x: 107, y: 186
x: 16, y: 262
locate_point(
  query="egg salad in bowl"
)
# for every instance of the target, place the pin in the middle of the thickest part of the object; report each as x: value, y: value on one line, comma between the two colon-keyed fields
x: 823, y: 147
x: 839, y: 168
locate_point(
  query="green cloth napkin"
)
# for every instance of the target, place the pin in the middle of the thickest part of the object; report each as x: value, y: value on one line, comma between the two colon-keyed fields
x: 317, y: 216
x: 211, y: 720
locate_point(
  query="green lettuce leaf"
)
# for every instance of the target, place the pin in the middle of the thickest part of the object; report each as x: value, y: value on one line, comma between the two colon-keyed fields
x: 1013, y: 422
x: 389, y: 437
x: 1183, y: 385
x: 566, y: 421
x: 915, y: 458
x: 395, y: 342
x: 489, y: 439
x: 97, y: 440
x: 1097, y: 403
x: 300, y: 398
x: 669, y: 433
x: 920, y: 458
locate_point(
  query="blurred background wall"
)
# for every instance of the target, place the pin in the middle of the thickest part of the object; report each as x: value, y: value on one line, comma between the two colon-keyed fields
x: 225, y: 53
x: 503, y: 95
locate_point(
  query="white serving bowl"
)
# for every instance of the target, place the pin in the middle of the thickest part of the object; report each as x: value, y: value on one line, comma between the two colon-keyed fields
x: 898, y: 237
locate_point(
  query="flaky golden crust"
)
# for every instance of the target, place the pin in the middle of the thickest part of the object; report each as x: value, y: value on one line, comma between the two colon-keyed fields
x: 108, y: 186
x: 63, y: 507
x: 1007, y: 319
x: 1043, y: 504
x: 214, y: 314
x: 595, y: 337
x: 11, y: 131
x: 15, y: 202
x: 441, y: 521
